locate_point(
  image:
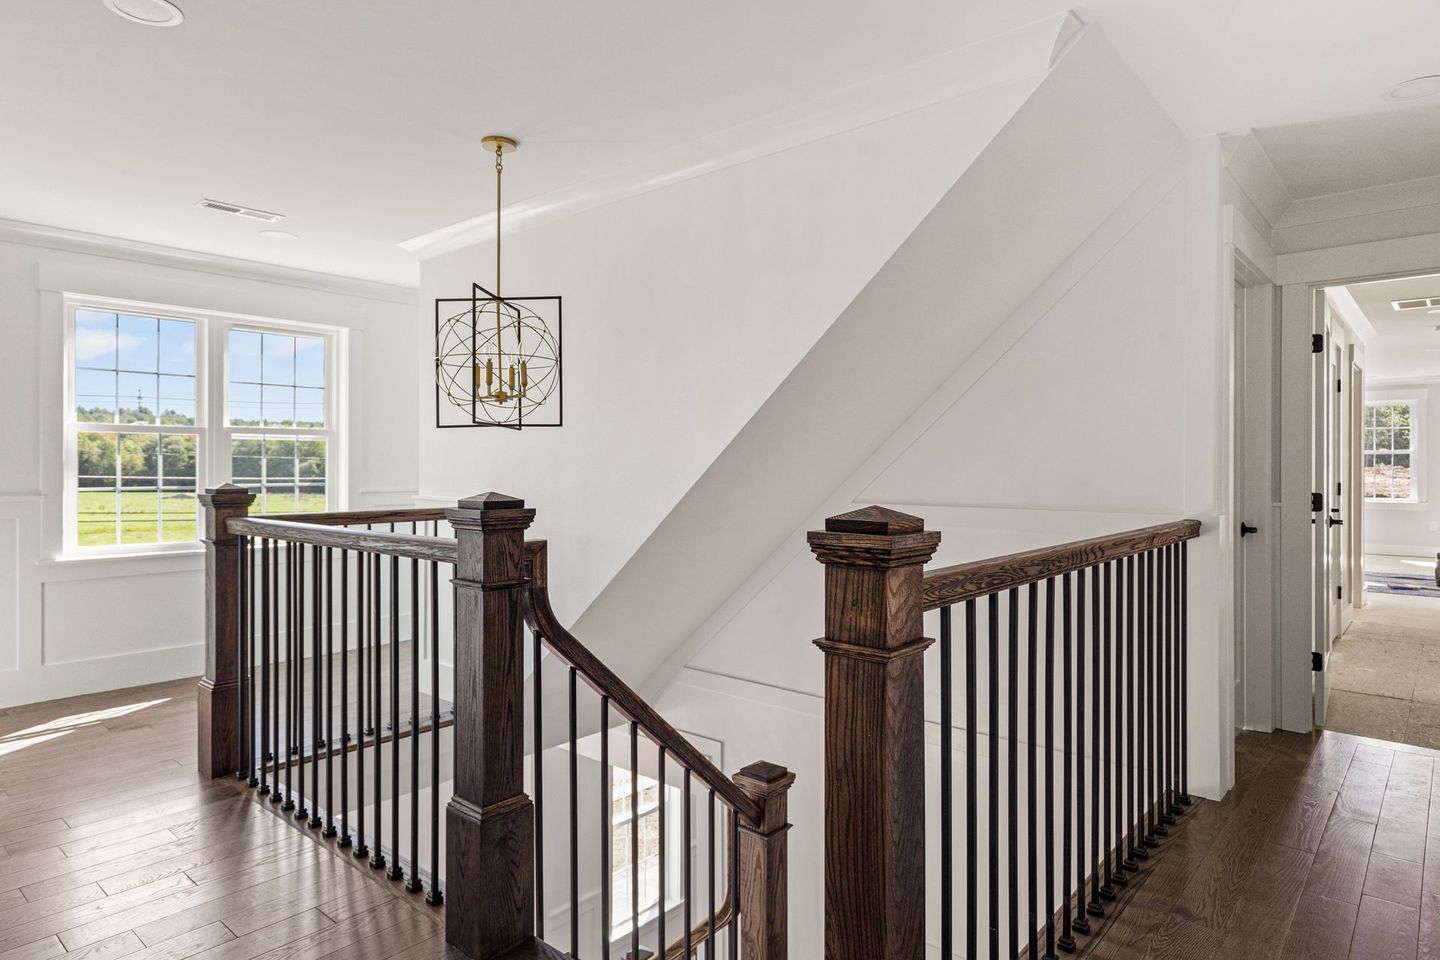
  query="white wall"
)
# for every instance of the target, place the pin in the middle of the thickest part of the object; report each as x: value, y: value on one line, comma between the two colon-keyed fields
x: 1410, y: 529
x: 76, y: 626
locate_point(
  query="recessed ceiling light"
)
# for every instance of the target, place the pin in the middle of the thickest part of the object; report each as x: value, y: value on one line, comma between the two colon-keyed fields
x: 151, y: 13
x: 1415, y: 89
x: 279, y: 235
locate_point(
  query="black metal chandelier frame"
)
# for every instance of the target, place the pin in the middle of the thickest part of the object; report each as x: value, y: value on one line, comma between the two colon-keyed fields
x: 480, y: 298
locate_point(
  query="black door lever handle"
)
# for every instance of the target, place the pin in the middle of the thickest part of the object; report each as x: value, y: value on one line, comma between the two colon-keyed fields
x: 1335, y: 523
x: 1246, y: 529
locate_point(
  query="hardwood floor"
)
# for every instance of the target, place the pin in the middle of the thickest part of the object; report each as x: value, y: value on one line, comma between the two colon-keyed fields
x: 1328, y: 847
x: 111, y: 846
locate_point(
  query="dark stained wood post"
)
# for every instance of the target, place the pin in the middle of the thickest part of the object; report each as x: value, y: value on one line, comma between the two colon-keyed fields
x: 874, y: 733
x: 219, y: 695
x: 764, y: 864
x: 490, y: 821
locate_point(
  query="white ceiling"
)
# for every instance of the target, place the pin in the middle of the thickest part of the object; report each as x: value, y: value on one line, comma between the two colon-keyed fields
x: 361, y: 120
x: 1351, y: 153
x: 1406, y: 344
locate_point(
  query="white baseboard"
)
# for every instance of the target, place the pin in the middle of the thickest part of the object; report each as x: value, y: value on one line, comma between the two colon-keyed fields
x: 1403, y: 550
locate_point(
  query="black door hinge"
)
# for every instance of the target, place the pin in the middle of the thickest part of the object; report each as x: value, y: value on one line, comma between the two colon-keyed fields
x: 1317, y: 661
x: 1337, y: 386
x: 1339, y: 593
x: 1317, y: 502
x: 1317, y: 343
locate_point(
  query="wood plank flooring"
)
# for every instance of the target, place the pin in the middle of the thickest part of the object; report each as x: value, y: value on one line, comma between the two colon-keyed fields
x: 111, y: 846
x: 1327, y: 847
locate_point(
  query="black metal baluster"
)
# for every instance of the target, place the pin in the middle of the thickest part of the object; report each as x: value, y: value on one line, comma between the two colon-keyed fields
x: 1184, y: 673
x: 377, y: 708
x: 710, y: 880
x: 1100, y: 854
x: 972, y: 826
x: 664, y: 887
x: 362, y: 694
x: 947, y: 773
x: 574, y: 827
x: 265, y: 616
x: 301, y: 797
x: 344, y: 840
x: 607, y: 800
x: 414, y: 885
x: 397, y: 871
x: 634, y: 839
x: 1050, y: 769
x: 1032, y: 888
x: 245, y: 648
x: 1066, y: 941
x: 330, y: 693
x: 1164, y: 688
x: 316, y: 704
x: 1120, y: 877
x: 1112, y: 814
x: 1013, y: 707
x: 276, y: 609
x: 435, y: 896
x: 536, y: 703
x: 1082, y: 861
x: 1131, y: 834
x: 689, y: 866
x: 1147, y: 701
x: 288, y: 803
x: 992, y: 626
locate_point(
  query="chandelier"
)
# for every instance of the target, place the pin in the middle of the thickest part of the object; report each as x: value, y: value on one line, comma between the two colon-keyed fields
x: 497, y: 358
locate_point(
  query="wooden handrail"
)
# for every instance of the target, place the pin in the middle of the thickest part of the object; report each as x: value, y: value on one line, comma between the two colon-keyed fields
x: 439, y: 549
x: 347, y: 517
x: 542, y: 618
x: 965, y: 581
x: 701, y: 931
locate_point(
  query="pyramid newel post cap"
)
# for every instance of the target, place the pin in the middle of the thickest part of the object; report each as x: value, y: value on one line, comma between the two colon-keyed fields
x: 492, y: 501
x: 875, y: 519
x: 874, y: 536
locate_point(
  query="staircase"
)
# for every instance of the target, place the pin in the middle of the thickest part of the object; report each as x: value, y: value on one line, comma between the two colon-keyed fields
x: 358, y: 693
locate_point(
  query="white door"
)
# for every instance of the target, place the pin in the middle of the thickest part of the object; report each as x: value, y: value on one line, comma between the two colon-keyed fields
x: 1322, y: 381
x: 1242, y: 505
x: 1335, y: 499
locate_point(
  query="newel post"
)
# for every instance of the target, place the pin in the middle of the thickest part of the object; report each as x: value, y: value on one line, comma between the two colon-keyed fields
x: 490, y: 821
x: 874, y: 733
x: 218, y: 698
x: 764, y: 864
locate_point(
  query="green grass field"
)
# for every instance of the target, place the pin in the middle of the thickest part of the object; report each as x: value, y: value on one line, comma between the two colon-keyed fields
x: 136, y: 517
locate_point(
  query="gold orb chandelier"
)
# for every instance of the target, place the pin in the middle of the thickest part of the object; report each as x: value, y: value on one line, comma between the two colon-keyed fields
x: 497, y: 358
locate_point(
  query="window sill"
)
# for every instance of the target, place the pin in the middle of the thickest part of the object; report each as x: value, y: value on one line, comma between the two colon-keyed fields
x: 1398, y: 504
x: 92, y: 566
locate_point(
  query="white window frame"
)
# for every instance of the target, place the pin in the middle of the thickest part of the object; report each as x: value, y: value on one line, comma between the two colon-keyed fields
x: 212, y: 422
x: 1416, y: 403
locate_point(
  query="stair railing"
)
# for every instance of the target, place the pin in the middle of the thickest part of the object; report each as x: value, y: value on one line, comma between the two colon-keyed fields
x: 281, y: 591
x: 1122, y: 599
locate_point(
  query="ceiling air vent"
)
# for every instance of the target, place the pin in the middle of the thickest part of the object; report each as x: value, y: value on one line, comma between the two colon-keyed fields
x: 240, y: 211
x: 1420, y: 303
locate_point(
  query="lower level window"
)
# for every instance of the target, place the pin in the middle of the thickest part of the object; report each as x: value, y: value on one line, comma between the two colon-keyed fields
x: 134, y: 488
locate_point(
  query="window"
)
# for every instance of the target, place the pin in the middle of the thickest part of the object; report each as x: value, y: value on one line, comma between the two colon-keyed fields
x: 162, y: 403
x: 1390, y: 450
x: 648, y: 866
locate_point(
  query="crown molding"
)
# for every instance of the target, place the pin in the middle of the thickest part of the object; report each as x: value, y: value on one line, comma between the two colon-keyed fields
x: 1254, y: 172
x: 1024, y: 52
x: 94, y: 244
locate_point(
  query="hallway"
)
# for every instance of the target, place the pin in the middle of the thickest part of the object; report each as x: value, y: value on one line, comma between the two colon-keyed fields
x: 1385, y: 670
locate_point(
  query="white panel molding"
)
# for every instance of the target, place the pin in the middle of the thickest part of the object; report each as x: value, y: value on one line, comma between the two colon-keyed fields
x: 1015, y: 55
